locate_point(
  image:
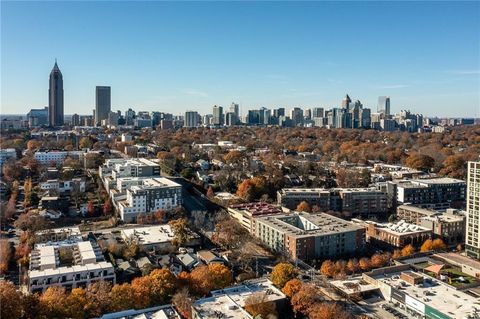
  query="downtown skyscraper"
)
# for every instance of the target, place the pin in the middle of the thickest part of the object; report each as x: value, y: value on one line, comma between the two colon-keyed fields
x: 55, y: 97
x: 103, y: 104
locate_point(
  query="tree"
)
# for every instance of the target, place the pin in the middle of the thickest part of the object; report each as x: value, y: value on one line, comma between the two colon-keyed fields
x: 426, y: 246
x: 90, y: 208
x: 11, y: 306
x: 30, y: 306
x: 180, y: 231
x: 98, y: 298
x: 107, y: 207
x: 27, y: 186
x: 328, y: 310
x: 258, y: 305
x: 397, y: 253
x: 353, y: 266
x: 163, y: 284
x: 33, y: 145
x: 210, y: 192
x: 233, y: 157
x: 420, y: 161
x: 438, y: 244
x: 328, y: 268
x: 305, y: 299
x: 121, y: 297
x: 86, y: 142
x: 304, y: 207
x: 30, y: 221
x: 408, y: 250
x: 53, y: 302
x: 379, y: 260
x: 131, y: 248
x: 221, y: 276
x: 76, y: 303
x: 282, y: 273
x: 141, y: 287
x: 364, y: 264
x: 228, y: 233
x: 292, y: 287
x: 5, y: 255
x: 183, y: 303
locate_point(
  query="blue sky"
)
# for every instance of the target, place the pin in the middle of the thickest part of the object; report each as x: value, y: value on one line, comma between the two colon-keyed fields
x: 174, y: 56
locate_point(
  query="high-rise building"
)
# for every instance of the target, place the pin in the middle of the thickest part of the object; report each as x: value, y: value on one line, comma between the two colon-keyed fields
x: 279, y: 112
x: 383, y: 105
x: 472, y: 247
x: 76, y: 120
x: 55, y: 97
x: 37, y: 117
x: 318, y: 112
x: 234, y: 108
x: 296, y: 114
x: 129, y: 116
x: 102, y: 103
x: 346, y: 102
x: 192, y: 119
x: 217, y: 115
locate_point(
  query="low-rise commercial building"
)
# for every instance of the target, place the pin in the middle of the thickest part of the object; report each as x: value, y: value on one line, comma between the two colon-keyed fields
x: 49, y: 266
x: 308, y: 236
x: 156, y: 238
x: 149, y: 195
x: 246, y: 214
x: 352, y: 201
x: 58, y: 234
x: 421, y: 295
x: 159, y: 312
x: 230, y: 302
x: 395, y: 235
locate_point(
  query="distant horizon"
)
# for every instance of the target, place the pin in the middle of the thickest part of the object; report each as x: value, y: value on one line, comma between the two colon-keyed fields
x: 178, y: 56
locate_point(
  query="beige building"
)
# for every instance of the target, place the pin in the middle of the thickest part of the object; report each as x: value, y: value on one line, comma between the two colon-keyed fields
x: 473, y: 210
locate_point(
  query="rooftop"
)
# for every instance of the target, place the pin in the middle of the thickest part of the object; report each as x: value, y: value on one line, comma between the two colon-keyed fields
x: 160, y: 312
x: 305, y: 224
x: 257, y: 208
x: 433, y: 293
x: 150, y: 235
x: 229, y: 302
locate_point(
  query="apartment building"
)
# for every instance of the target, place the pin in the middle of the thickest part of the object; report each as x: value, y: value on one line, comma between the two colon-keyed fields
x: 149, y: 195
x: 472, y: 246
x: 448, y: 225
x: 246, y: 214
x: 118, y: 168
x: 50, y: 267
x: 309, y: 236
x: 394, y: 235
x: 353, y: 201
x: 437, y: 193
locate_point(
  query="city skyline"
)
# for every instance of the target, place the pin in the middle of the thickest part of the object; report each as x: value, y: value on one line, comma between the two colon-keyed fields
x: 294, y: 64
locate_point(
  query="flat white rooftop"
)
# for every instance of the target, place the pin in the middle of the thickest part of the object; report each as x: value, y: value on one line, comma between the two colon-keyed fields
x: 435, y: 294
x: 150, y: 235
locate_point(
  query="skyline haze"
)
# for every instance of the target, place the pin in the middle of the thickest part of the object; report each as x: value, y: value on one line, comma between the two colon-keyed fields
x: 173, y: 57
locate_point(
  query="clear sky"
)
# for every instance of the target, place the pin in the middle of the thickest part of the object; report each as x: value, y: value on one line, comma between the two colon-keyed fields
x: 174, y: 56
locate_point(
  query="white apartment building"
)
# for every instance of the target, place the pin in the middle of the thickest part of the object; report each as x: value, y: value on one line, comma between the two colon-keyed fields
x: 63, y: 186
x: 150, y: 195
x: 472, y: 237
x: 47, y: 268
x: 114, y: 169
x: 57, y: 157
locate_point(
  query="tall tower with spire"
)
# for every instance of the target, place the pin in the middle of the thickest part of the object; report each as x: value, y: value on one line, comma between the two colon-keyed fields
x: 346, y: 102
x: 55, y: 97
